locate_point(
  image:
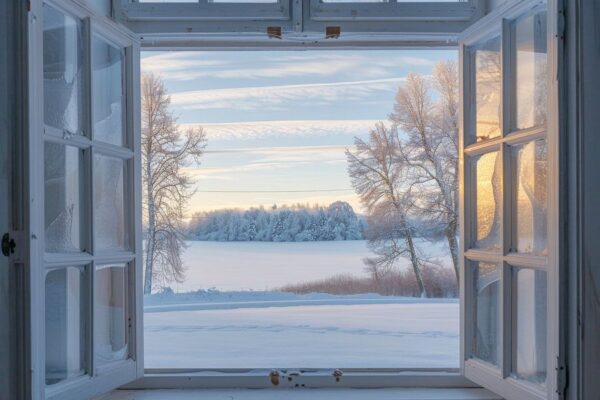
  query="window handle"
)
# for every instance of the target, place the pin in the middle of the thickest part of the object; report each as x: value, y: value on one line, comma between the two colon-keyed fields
x: 8, y: 245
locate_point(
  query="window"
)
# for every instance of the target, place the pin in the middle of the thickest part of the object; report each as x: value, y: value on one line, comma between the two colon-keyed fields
x: 88, y: 197
x: 508, y: 265
x: 288, y: 261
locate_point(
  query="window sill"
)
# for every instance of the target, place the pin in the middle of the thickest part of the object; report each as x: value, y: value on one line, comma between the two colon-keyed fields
x: 305, y: 394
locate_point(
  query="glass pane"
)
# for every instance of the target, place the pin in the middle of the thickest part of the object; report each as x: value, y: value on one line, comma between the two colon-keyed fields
x: 65, y: 324
x: 107, y: 92
x: 63, y: 71
x: 487, y: 183
x: 488, y: 89
x: 62, y: 177
x: 487, y: 344
x: 530, y: 172
x: 532, y: 69
x: 109, y: 203
x: 110, y: 313
x: 529, y: 307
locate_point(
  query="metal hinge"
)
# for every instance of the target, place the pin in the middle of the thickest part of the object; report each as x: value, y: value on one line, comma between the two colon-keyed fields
x: 561, y: 28
x: 8, y: 245
x: 561, y: 378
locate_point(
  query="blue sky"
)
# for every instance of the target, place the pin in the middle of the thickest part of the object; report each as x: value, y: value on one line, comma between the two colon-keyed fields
x: 279, y: 121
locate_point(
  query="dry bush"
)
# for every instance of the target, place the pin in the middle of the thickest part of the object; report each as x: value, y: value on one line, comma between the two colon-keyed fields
x: 439, y: 282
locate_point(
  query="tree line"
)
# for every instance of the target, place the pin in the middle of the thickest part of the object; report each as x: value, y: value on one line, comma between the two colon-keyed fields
x: 298, y: 223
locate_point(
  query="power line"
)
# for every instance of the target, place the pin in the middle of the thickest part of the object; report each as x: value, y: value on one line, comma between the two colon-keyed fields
x: 275, y: 191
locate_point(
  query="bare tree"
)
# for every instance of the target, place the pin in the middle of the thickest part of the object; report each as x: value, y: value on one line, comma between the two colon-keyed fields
x: 378, y: 178
x: 165, y: 151
x: 430, y: 151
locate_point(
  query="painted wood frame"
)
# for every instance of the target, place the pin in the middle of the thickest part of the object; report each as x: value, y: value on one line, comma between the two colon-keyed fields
x: 500, y: 22
x: 301, y: 19
x: 97, y: 379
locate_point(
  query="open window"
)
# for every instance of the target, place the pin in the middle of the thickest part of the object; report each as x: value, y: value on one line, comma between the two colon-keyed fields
x: 84, y: 176
x: 84, y: 217
x: 509, y: 197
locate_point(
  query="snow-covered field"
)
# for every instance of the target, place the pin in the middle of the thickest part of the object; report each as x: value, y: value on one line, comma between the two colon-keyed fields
x: 241, y: 325
x: 267, y: 265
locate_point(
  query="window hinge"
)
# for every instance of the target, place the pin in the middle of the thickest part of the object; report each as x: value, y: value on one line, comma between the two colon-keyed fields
x: 8, y: 245
x: 561, y: 378
x: 561, y: 22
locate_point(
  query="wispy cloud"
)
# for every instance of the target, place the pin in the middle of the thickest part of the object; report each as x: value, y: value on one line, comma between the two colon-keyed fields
x: 245, y: 131
x: 186, y: 66
x: 261, y: 97
x: 264, y: 159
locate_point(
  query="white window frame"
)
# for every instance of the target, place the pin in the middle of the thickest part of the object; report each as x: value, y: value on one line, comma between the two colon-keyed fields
x: 426, y: 23
x: 98, y: 379
x: 499, y: 380
x: 223, y: 39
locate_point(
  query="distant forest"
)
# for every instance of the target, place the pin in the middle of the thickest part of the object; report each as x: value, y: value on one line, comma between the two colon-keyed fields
x: 299, y: 223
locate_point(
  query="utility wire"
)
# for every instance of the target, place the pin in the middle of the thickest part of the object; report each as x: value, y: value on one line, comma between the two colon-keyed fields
x: 275, y: 191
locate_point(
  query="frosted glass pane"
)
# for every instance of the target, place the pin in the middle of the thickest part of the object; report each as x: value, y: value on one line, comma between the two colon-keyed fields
x: 529, y: 342
x: 487, y: 183
x: 63, y: 71
x: 65, y: 324
x: 532, y: 71
x: 530, y: 222
x: 62, y: 177
x: 109, y: 203
x: 488, y: 89
x: 107, y: 92
x: 110, y: 324
x: 487, y: 343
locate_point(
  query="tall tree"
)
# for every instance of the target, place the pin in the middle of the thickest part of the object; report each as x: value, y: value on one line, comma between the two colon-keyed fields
x: 379, y: 178
x: 430, y: 150
x: 165, y: 152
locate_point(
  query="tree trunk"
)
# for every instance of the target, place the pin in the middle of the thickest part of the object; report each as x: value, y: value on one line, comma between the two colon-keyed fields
x: 150, y: 237
x: 453, y: 246
x: 415, y: 262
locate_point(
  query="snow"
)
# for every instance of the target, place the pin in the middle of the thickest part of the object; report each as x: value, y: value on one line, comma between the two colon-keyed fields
x: 241, y: 325
x: 402, y: 335
x: 231, y: 266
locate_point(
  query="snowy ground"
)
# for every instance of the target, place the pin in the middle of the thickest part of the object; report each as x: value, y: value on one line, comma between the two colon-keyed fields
x: 391, y: 332
x: 268, y: 265
x: 242, y: 326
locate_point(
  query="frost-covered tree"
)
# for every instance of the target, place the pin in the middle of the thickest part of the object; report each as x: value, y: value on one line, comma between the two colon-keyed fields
x: 299, y: 223
x: 379, y: 178
x: 165, y: 151
x: 426, y: 110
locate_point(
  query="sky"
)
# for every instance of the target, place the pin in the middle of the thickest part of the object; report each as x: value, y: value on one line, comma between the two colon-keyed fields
x: 278, y: 122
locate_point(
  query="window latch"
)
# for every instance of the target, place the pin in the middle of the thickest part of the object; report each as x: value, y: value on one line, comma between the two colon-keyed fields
x: 8, y: 245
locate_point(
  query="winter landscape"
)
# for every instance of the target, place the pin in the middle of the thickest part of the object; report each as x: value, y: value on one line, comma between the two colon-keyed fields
x: 315, y: 227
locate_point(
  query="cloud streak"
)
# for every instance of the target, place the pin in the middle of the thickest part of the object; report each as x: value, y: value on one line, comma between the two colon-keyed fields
x: 187, y: 66
x: 261, y: 97
x: 245, y: 131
